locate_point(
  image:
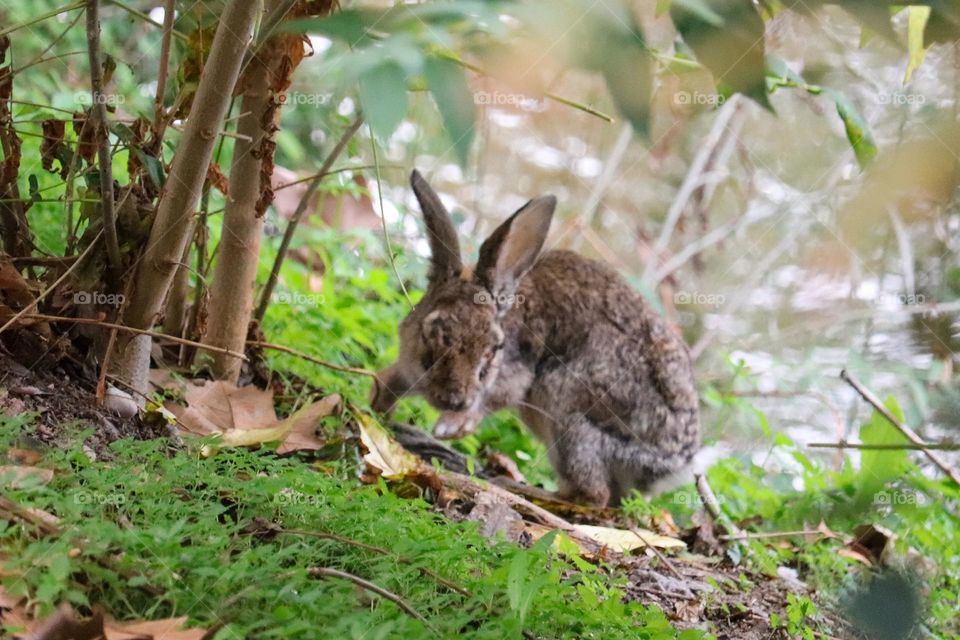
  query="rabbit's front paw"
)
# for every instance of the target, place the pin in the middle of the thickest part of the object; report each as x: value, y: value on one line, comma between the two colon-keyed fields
x: 455, y: 424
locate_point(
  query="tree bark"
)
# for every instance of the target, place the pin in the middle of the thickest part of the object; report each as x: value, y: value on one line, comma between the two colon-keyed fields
x: 171, y: 229
x: 234, y: 275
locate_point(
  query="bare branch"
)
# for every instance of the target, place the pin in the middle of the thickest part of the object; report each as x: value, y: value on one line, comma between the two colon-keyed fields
x: 298, y: 215
x: 909, y: 433
x: 98, y: 110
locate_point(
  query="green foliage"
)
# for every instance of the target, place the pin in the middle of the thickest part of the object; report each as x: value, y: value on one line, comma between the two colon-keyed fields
x: 727, y: 38
x: 181, y: 525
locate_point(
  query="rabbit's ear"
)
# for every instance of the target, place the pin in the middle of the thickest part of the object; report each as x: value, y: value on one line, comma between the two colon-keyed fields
x: 444, y: 246
x: 512, y: 249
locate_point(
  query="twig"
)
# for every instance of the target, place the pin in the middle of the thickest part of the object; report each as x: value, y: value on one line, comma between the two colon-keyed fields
x: 168, y: 11
x: 309, y: 358
x: 614, y: 158
x: 357, y: 167
x: 746, y: 288
x: 39, y: 57
x: 43, y: 294
x: 43, y: 16
x: 548, y: 95
x: 760, y: 535
x: 386, y: 552
x: 712, y: 505
x: 910, y: 434
x: 383, y: 218
x: 934, y: 446
x: 142, y: 332
x: 99, y: 111
x: 146, y: 18
x: 327, y: 572
x: 298, y: 214
x: 691, y: 182
x: 657, y: 552
x: 43, y: 261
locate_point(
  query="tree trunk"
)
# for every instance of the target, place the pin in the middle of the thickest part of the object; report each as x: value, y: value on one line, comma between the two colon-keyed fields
x: 234, y: 275
x: 171, y: 229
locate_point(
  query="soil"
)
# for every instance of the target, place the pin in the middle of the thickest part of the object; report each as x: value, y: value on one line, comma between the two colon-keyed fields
x: 695, y: 590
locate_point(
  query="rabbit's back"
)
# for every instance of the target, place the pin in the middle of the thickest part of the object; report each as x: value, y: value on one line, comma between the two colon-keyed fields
x: 603, y: 352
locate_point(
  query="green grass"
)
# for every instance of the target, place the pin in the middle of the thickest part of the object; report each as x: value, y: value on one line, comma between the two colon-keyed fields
x: 151, y: 535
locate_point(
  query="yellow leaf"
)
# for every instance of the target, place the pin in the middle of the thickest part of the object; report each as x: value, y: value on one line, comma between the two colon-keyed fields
x: 623, y: 540
x: 916, y: 23
x: 383, y: 452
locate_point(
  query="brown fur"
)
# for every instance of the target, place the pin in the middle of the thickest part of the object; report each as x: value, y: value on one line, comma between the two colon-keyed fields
x: 596, y: 373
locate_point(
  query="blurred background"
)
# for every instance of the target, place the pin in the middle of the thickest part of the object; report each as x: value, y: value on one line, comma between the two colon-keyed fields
x: 781, y: 251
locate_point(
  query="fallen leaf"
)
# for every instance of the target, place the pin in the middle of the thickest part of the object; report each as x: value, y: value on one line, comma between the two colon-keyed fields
x: 623, y: 540
x: 168, y: 629
x: 23, y: 456
x: 613, y: 539
x: 213, y: 408
x: 244, y: 416
x: 303, y: 425
x: 14, y: 477
x: 385, y: 456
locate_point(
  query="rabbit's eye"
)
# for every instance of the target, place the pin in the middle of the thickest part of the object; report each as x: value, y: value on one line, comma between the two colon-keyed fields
x: 484, y: 369
x: 426, y: 360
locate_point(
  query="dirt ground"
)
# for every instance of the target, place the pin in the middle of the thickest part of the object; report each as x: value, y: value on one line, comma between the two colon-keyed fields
x: 702, y: 590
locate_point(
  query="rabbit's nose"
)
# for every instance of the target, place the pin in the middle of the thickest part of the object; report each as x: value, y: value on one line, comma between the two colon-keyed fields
x: 457, y: 404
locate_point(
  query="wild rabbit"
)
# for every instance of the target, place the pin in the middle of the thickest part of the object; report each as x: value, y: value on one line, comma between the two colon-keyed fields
x: 596, y: 374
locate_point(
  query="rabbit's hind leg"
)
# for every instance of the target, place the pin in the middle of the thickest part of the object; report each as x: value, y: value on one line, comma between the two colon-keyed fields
x: 578, y: 456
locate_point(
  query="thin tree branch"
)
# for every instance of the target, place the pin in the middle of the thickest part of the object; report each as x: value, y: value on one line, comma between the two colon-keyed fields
x: 99, y: 111
x: 383, y: 218
x: 309, y: 358
x: 142, y: 332
x: 327, y: 572
x: 43, y: 16
x: 25, y: 311
x: 693, y: 180
x: 935, y: 446
x: 168, y: 11
x: 298, y: 215
x: 909, y: 433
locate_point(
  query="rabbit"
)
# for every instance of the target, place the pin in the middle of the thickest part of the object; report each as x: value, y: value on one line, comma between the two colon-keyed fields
x: 596, y: 374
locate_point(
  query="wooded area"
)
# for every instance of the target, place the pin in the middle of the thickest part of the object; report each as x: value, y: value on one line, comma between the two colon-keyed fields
x: 290, y: 345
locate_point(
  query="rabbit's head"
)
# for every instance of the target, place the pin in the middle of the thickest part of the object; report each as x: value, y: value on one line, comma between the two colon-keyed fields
x: 451, y: 342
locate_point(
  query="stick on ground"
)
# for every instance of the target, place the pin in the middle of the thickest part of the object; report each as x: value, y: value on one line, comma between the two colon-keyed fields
x: 910, y: 434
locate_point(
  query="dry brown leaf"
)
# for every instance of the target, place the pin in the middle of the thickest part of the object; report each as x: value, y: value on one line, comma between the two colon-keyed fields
x: 245, y: 416
x: 13, y: 287
x: 167, y: 380
x: 15, y: 477
x: 303, y: 425
x: 23, y: 456
x: 614, y: 539
x: 168, y: 629
x: 385, y: 456
x: 218, y: 407
x: 623, y: 540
